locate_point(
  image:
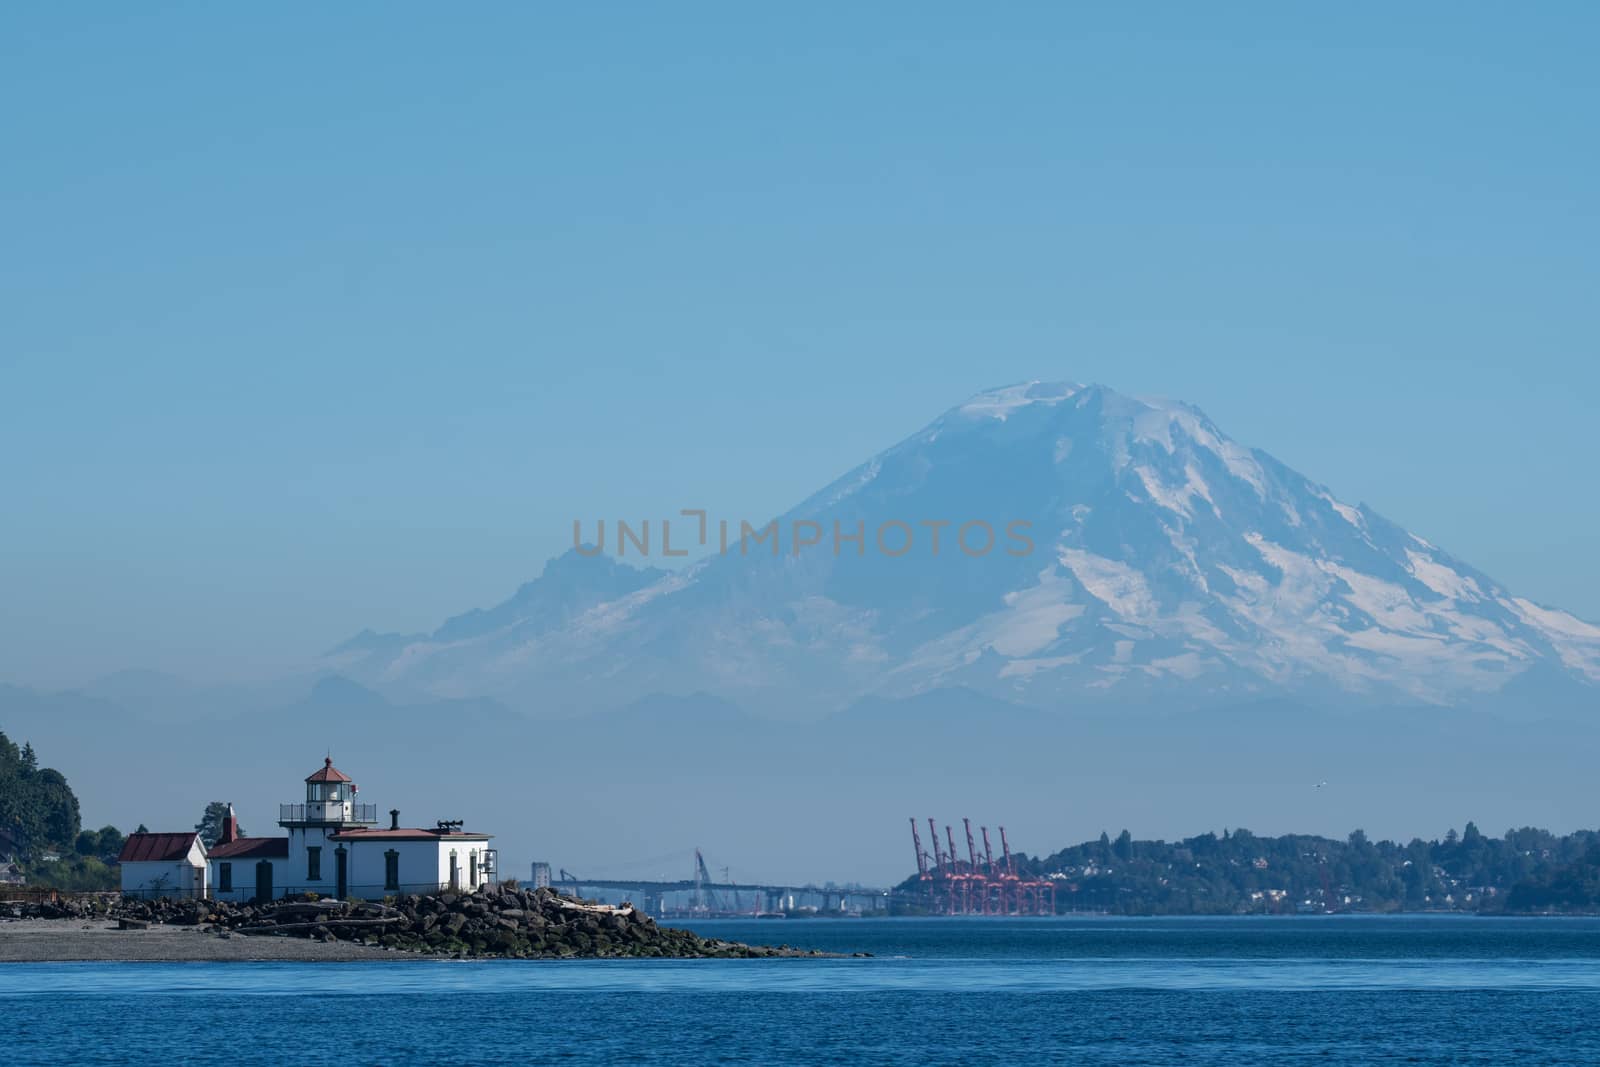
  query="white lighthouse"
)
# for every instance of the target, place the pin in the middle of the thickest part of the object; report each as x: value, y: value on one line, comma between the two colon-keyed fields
x: 316, y: 863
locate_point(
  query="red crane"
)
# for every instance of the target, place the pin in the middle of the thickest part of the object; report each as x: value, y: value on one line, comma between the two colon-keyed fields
x: 994, y: 891
x: 978, y: 885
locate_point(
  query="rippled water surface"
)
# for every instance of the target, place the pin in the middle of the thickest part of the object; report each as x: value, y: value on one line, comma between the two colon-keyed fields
x: 1329, y: 990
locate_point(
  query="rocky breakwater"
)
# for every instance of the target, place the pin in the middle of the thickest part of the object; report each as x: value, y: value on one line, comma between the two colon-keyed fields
x: 497, y: 922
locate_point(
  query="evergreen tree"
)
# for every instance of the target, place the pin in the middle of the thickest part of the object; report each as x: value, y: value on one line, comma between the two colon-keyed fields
x: 36, y: 804
x: 210, y: 825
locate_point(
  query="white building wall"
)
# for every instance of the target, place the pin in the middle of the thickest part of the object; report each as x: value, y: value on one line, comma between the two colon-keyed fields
x: 424, y: 864
x: 465, y: 851
x: 297, y: 874
x: 177, y: 878
x: 244, y: 878
x: 155, y: 879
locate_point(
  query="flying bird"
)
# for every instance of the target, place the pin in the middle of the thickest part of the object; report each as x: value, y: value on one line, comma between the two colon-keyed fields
x: 1319, y: 785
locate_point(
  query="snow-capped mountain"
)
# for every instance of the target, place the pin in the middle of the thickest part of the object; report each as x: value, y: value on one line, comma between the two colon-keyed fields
x: 1138, y: 553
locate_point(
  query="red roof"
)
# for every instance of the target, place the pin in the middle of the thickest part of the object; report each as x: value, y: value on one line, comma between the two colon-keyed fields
x: 156, y: 848
x: 255, y: 848
x: 329, y: 773
x: 407, y: 835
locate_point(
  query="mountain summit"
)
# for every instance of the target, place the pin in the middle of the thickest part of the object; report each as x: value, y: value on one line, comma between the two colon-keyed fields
x: 1092, y: 548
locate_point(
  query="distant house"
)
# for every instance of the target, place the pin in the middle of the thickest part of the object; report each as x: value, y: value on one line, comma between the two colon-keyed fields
x: 334, y: 848
x: 163, y: 865
x: 11, y: 874
x: 246, y: 868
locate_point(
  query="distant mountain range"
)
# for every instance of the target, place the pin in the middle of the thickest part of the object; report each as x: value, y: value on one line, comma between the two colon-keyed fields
x: 1167, y: 564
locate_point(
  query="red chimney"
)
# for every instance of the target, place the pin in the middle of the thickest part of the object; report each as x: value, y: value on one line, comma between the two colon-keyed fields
x: 230, y: 828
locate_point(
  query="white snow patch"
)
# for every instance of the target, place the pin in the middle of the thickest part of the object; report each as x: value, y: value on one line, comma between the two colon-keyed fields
x: 1556, y: 622
x: 863, y: 479
x: 1485, y: 632
x: 1030, y: 621
x: 1388, y: 604
x: 1441, y: 579
x: 1349, y: 514
x: 1024, y: 668
x: 1163, y: 417
x: 1116, y: 585
x: 1000, y: 403
x: 1176, y: 498
x: 1186, y: 665
x: 1033, y: 617
x: 1575, y: 641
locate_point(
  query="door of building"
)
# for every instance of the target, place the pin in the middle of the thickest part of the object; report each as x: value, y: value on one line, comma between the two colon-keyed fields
x: 263, y: 882
x: 341, y: 872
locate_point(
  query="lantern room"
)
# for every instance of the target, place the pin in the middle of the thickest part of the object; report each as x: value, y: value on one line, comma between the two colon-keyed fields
x: 330, y: 801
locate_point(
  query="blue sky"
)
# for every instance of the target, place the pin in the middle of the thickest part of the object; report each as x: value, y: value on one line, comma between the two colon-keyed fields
x: 321, y: 319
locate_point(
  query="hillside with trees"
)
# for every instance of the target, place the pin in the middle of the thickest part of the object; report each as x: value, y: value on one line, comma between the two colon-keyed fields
x: 40, y: 827
x: 1239, y: 873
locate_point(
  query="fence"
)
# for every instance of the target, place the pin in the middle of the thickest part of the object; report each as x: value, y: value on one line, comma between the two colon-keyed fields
x: 27, y: 894
x: 329, y: 813
x: 162, y: 894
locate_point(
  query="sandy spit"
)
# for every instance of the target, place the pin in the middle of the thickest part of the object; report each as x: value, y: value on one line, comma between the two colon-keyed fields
x: 67, y: 940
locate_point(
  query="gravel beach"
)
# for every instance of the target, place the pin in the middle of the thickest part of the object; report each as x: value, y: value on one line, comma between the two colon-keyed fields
x: 65, y: 940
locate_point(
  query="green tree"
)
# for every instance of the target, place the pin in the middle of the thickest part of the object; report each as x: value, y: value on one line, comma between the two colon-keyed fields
x: 210, y: 825
x: 58, y: 807
x: 111, y: 840
x: 88, y: 843
x: 36, y: 804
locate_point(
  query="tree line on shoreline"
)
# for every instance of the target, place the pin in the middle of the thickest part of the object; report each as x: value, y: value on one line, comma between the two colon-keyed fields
x: 41, y: 831
x: 1525, y: 870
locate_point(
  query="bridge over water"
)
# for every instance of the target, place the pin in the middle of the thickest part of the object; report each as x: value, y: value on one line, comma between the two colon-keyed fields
x: 725, y: 898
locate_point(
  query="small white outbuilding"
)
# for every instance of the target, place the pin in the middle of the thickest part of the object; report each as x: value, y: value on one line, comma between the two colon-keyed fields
x: 163, y: 865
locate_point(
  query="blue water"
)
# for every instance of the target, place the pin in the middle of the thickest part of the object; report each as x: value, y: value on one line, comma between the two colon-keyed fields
x: 1325, y: 990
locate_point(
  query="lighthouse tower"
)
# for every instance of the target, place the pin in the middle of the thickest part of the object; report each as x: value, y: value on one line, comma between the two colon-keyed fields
x: 330, y: 806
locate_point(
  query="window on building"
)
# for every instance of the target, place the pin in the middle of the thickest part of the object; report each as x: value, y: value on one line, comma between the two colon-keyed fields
x: 455, y: 871
x: 472, y: 869
x: 225, y: 877
x: 391, y: 870
x: 313, y: 864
